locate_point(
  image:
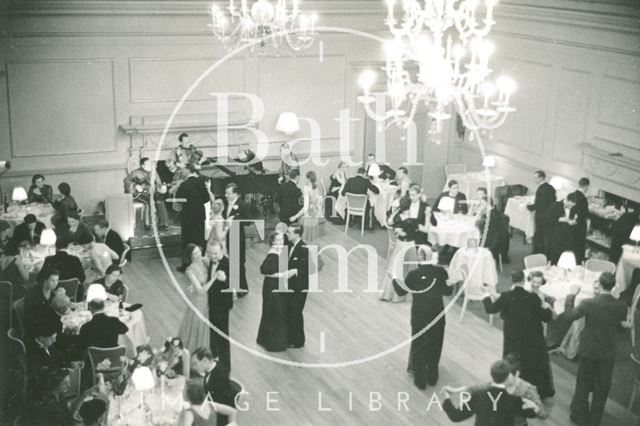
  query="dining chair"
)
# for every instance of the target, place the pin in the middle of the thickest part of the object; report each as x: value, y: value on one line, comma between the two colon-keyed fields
x: 110, y: 362
x: 636, y: 378
x: 597, y: 265
x: 535, y: 261
x: 467, y: 296
x: 125, y: 253
x: 6, y: 301
x: 450, y: 169
x: 17, y: 372
x: 70, y: 287
x: 125, y: 292
x: 18, y: 310
x: 631, y: 317
x: 356, y: 206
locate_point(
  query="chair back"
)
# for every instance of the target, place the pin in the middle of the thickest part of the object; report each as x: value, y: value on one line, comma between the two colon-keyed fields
x: 632, y: 318
x: 464, y: 272
x: 18, y: 313
x: 535, y: 261
x: 356, y: 203
x: 110, y: 362
x: 70, y: 287
x: 125, y: 292
x: 16, y: 373
x: 6, y: 304
x: 124, y: 255
x: 451, y: 169
x: 597, y: 265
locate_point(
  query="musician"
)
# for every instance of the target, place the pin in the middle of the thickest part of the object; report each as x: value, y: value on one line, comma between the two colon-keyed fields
x: 138, y: 183
x: 186, y: 153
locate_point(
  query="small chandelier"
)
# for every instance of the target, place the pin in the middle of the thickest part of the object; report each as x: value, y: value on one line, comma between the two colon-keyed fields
x: 438, y: 56
x: 263, y: 20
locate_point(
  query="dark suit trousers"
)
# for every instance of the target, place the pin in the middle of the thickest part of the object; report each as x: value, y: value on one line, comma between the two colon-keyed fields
x: 295, y: 318
x: 540, y: 237
x: 220, y: 346
x: 593, y: 376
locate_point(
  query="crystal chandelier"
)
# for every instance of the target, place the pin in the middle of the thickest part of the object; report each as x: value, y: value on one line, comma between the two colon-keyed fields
x: 439, y: 56
x: 263, y: 20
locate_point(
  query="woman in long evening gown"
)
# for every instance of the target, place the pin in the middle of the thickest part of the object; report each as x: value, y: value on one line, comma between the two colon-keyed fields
x: 194, y: 332
x: 272, y: 333
x: 313, y: 194
x: 218, y: 233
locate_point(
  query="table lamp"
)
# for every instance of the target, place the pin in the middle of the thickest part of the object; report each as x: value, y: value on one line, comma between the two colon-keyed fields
x: 447, y: 204
x: 96, y: 292
x: 19, y: 195
x: 635, y: 235
x: 288, y: 123
x: 142, y: 379
x: 374, y: 170
x: 489, y: 161
x: 567, y: 261
x: 48, y: 239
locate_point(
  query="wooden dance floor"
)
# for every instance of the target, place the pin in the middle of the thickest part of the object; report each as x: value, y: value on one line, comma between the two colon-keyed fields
x: 342, y: 328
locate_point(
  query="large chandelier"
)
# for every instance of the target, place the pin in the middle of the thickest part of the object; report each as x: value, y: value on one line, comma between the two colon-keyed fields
x: 438, y: 56
x: 264, y: 21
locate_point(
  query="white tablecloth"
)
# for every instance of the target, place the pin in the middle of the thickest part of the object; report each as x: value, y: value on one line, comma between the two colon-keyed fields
x: 16, y: 214
x: 519, y: 216
x: 381, y: 202
x: 481, y: 267
x: 558, y: 284
x: 33, y: 257
x: 136, y: 336
x: 469, y: 182
x: 454, y: 230
x: 629, y: 260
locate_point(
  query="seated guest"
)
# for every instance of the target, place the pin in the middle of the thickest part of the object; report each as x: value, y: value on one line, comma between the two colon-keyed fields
x: 371, y: 160
x: 111, y: 281
x: 216, y: 379
x: 94, y: 412
x: 460, y: 200
x: 46, y: 405
x: 201, y: 412
x: 37, y: 300
x: 28, y: 232
x: 479, y: 202
x: 12, y: 269
x: 5, y: 233
x: 138, y: 183
x: 490, y: 404
x: 402, y: 180
x: 40, y: 345
x: 101, y: 257
x: 101, y: 331
x: 111, y: 238
x: 65, y: 205
x: 39, y: 192
x: 68, y: 265
x: 360, y: 185
x: 76, y: 232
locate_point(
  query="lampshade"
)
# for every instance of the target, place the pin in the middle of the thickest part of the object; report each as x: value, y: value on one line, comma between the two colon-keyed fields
x: 48, y: 237
x: 557, y: 183
x: 635, y: 234
x: 142, y: 379
x: 288, y: 123
x: 374, y: 170
x: 567, y: 260
x: 489, y: 161
x: 96, y: 291
x: 19, y: 194
x: 447, y: 204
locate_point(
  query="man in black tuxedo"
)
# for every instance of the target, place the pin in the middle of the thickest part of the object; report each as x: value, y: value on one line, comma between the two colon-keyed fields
x: 220, y: 303
x: 235, y: 210
x: 40, y: 344
x: 299, y: 283
x: 216, y: 379
x: 491, y: 404
x: 460, y: 200
x: 108, y: 236
x: 360, y: 185
x: 545, y: 197
x: 102, y: 330
x: 29, y: 231
x: 288, y: 197
x: 597, y: 350
x: 68, y: 265
x: 581, y: 213
x: 193, y: 215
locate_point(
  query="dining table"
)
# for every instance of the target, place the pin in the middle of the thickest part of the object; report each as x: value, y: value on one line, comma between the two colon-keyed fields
x: 453, y: 229
x: 15, y: 213
x: 380, y: 203
x: 520, y: 217
x: 481, y: 268
x: 33, y: 256
x: 137, y: 335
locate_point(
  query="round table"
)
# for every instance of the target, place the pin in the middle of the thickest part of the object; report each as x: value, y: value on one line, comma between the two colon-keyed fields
x: 481, y: 267
x: 520, y: 217
x: 454, y: 230
x: 16, y: 213
x: 381, y: 202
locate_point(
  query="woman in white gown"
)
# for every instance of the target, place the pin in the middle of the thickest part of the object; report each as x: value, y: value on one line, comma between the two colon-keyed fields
x: 194, y: 333
x: 218, y: 233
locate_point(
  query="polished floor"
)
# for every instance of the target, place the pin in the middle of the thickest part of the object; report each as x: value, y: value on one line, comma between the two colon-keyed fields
x: 352, y: 369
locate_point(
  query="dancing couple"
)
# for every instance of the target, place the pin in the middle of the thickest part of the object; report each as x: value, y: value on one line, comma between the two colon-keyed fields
x: 282, y: 322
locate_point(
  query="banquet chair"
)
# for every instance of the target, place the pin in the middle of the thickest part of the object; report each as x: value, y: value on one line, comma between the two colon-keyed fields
x: 125, y: 253
x: 631, y: 316
x: 70, y: 287
x: 464, y: 270
x: 110, y: 362
x: 597, y: 265
x: 18, y: 310
x: 535, y: 261
x: 450, y: 169
x: 125, y: 292
x: 6, y: 301
x: 356, y: 206
x: 17, y: 372
x: 635, y: 357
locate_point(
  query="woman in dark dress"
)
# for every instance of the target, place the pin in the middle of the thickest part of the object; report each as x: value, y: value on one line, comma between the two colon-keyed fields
x: 111, y: 281
x: 563, y: 221
x: 272, y: 334
x: 12, y: 269
x: 428, y: 284
x: 39, y: 192
x: 64, y: 206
